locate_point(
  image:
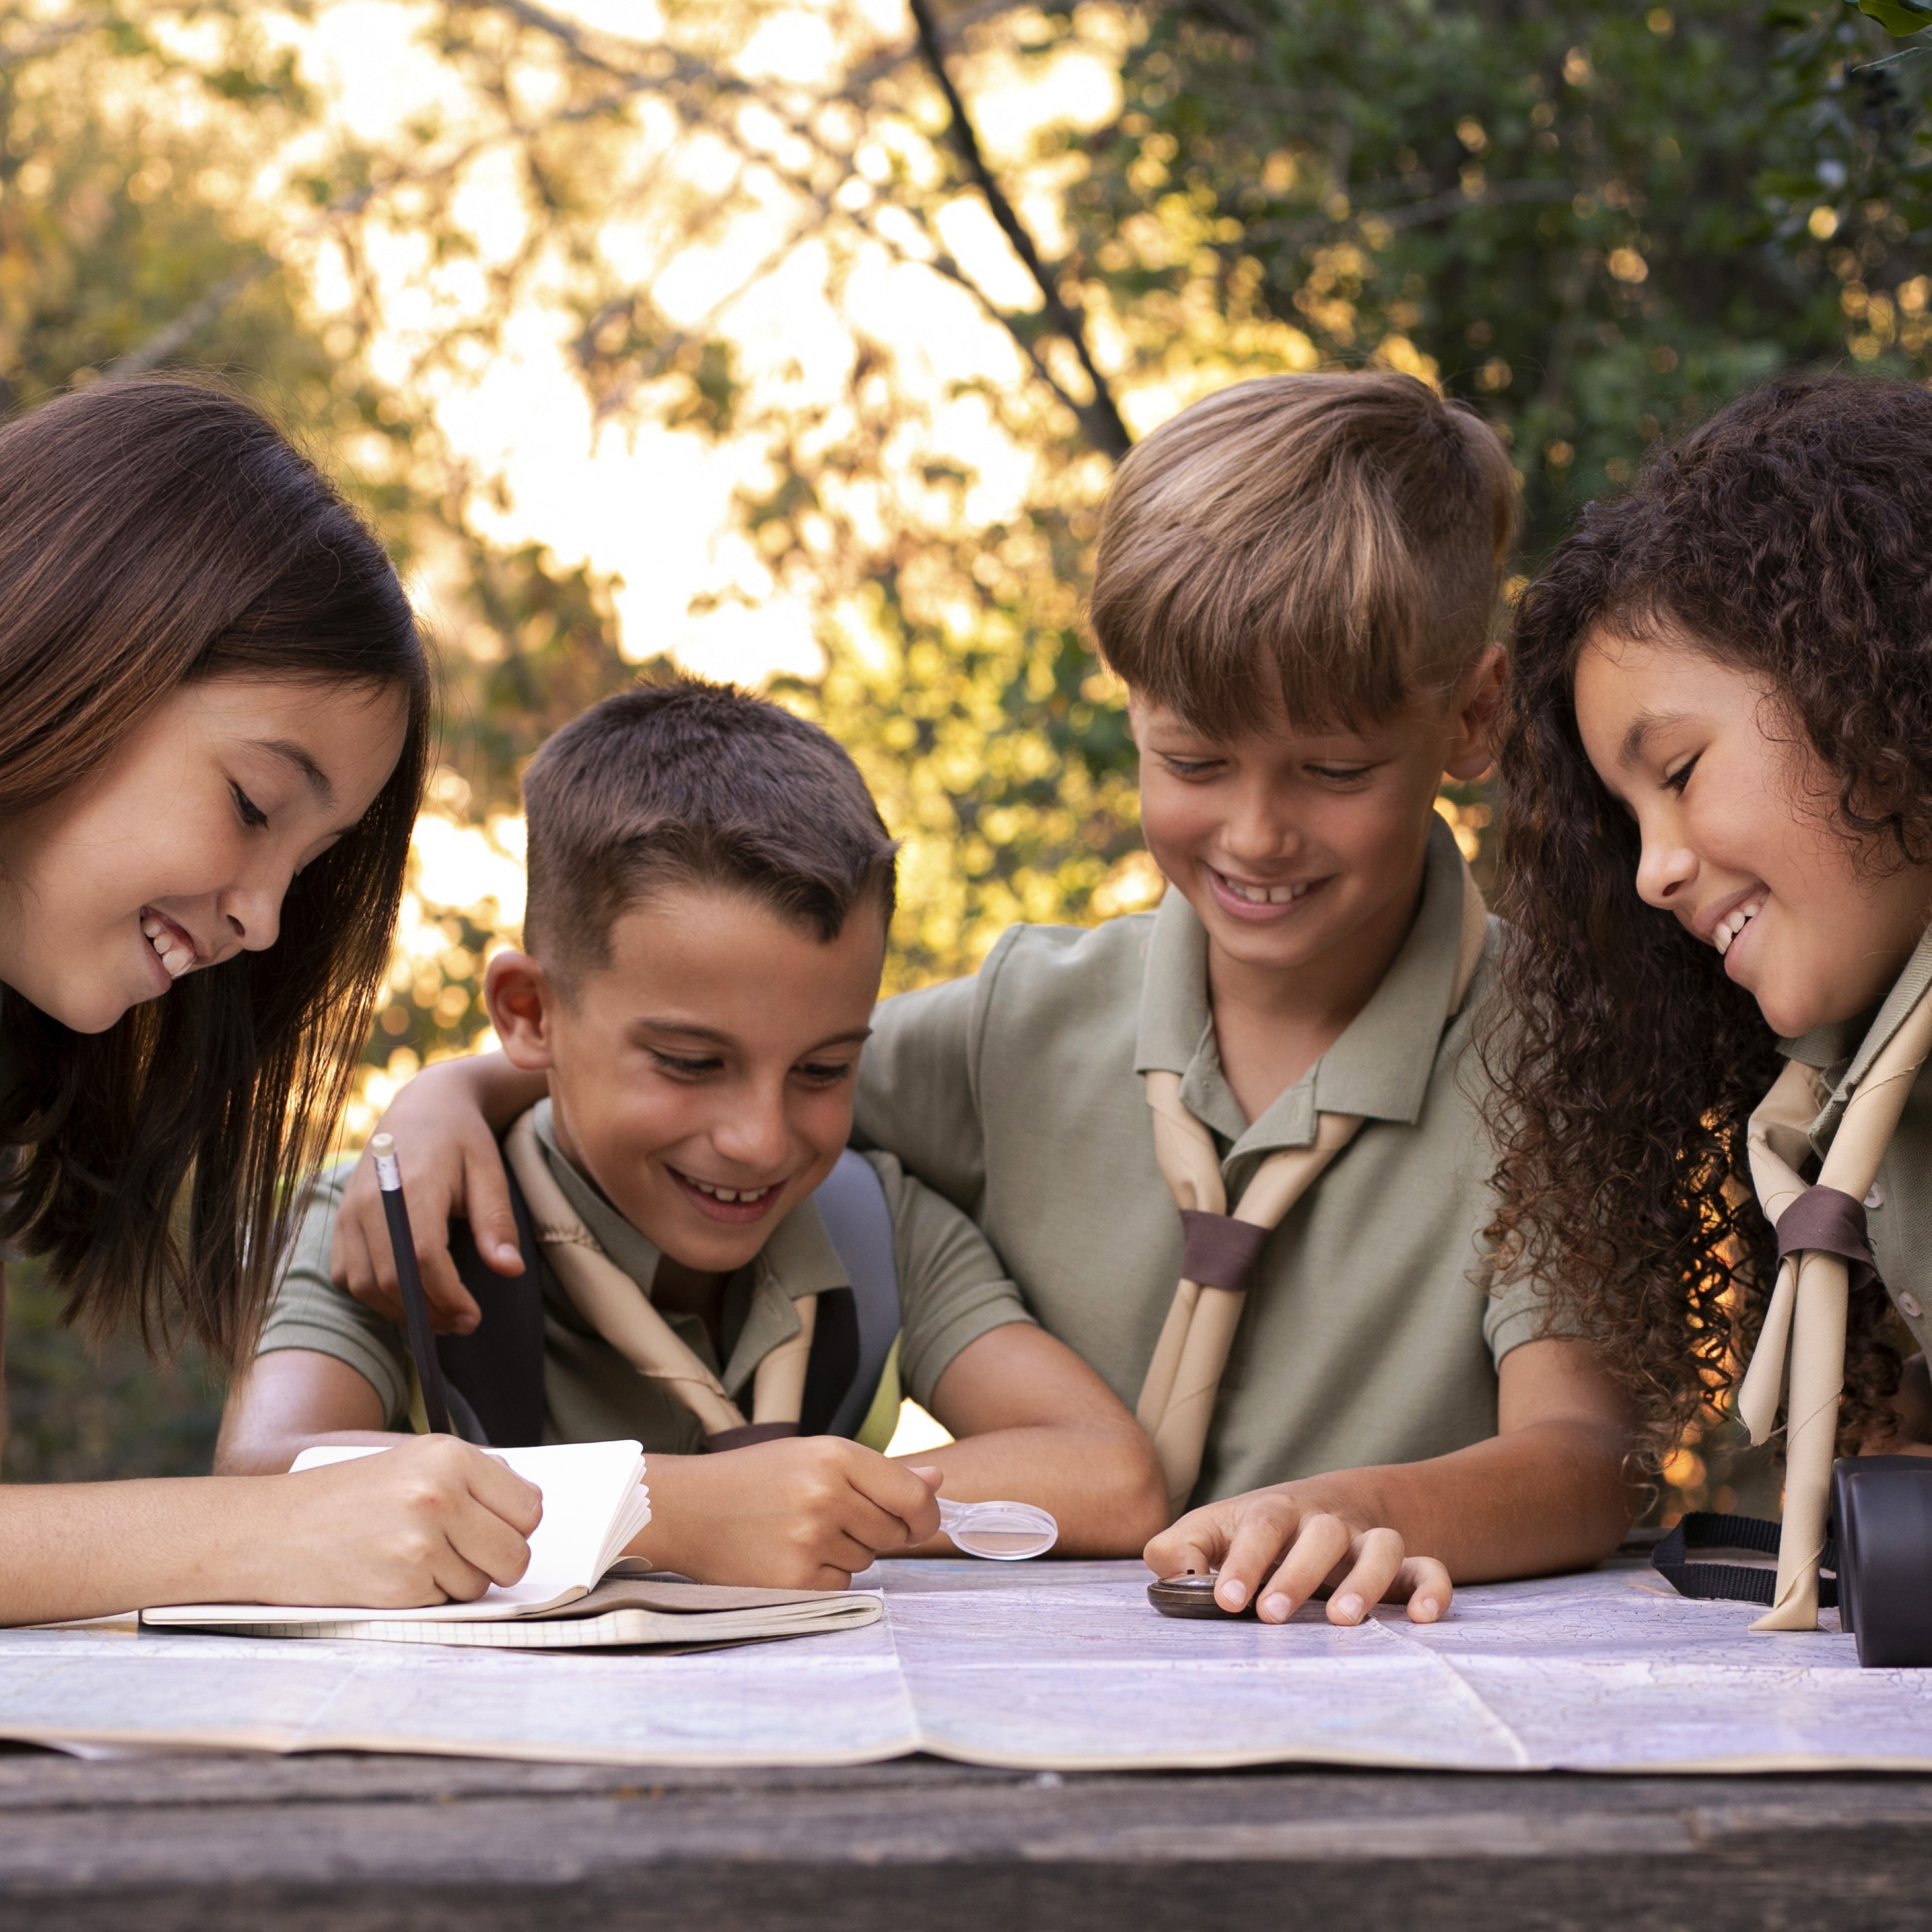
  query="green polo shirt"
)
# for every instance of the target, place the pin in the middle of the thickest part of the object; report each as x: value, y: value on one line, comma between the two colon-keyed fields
x: 1368, y: 1336
x: 952, y: 1291
x: 1898, y: 1211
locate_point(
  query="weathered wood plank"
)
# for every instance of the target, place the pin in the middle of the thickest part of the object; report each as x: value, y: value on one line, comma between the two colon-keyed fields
x: 350, y: 1844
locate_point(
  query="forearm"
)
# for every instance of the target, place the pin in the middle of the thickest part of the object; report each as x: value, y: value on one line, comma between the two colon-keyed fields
x: 1549, y: 1496
x: 293, y: 1400
x: 72, y: 1550
x: 1100, y: 1482
x: 500, y: 1091
x: 270, y: 1454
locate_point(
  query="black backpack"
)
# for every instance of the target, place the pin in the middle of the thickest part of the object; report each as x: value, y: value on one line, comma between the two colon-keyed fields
x: 495, y: 1375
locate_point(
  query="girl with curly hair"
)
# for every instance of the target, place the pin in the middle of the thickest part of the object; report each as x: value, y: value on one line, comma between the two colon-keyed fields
x: 1717, y: 776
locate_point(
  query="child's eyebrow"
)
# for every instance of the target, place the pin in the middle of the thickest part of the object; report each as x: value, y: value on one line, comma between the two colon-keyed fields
x: 312, y: 774
x: 858, y: 1036
x: 711, y: 1036
x: 1637, y: 738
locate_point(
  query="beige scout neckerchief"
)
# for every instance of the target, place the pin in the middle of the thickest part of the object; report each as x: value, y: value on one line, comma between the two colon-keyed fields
x: 1220, y: 1249
x: 1820, y: 1241
x: 614, y: 1304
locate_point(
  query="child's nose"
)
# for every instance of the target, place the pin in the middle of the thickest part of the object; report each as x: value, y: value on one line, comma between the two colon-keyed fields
x: 1257, y: 832
x: 251, y: 916
x: 755, y: 1134
x: 1664, y: 868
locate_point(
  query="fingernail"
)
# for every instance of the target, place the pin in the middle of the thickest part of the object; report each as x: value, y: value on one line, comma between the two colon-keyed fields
x: 1231, y: 1591
x: 1427, y: 1609
x: 1351, y: 1606
x: 1277, y: 1609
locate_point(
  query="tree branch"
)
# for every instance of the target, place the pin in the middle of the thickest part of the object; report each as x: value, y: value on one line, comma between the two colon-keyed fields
x: 1101, y: 418
x: 189, y: 323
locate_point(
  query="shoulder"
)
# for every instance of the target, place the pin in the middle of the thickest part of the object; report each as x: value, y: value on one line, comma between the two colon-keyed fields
x: 1031, y: 969
x: 317, y: 1203
x: 1042, y: 966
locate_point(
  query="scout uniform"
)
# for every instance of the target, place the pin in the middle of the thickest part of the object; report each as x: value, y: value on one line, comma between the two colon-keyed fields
x: 952, y: 1291
x: 1866, y: 1115
x: 1366, y: 1336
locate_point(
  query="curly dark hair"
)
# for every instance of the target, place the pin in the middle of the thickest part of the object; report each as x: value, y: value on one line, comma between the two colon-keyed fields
x: 1789, y: 536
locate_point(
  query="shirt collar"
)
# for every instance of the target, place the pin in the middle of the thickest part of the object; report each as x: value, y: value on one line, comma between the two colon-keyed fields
x: 1826, y: 1047
x: 1380, y: 1067
x: 797, y: 1259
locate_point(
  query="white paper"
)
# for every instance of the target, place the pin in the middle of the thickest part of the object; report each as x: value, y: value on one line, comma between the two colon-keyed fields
x: 1045, y: 1667
x: 593, y: 1504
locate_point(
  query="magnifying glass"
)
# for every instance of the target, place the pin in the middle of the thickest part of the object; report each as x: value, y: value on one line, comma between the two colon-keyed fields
x: 1000, y: 1532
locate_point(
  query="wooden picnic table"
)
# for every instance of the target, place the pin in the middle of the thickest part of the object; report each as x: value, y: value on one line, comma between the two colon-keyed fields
x: 354, y: 1843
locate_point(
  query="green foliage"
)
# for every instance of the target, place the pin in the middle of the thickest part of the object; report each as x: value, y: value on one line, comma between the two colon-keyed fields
x: 77, y: 1414
x: 1596, y: 222
x: 1898, y: 17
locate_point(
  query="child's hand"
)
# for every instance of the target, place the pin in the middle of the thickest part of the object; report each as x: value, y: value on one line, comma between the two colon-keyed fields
x: 452, y: 1166
x: 433, y: 1521
x: 1287, y: 1543
x: 802, y: 1514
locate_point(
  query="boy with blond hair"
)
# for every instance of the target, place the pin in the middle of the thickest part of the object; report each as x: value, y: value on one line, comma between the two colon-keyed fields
x: 1267, y: 1091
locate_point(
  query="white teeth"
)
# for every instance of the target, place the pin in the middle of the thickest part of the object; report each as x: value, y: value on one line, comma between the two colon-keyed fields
x: 1728, y: 928
x: 172, y: 955
x: 728, y: 1193
x: 1265, y: 895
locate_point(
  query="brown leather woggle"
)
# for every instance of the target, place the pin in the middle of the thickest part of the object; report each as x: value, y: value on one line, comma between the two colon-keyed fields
x: 1824, y: 1220
x: 752, y: 1433
x: 1218, y: 1251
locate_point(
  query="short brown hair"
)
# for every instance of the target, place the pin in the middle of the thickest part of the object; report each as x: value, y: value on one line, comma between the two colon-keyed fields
x: 1333, y: 540
x: 689, y: 782
x: 154, y: 533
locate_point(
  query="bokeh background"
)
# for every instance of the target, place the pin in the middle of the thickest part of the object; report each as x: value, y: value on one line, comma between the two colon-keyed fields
x: 794, y: 340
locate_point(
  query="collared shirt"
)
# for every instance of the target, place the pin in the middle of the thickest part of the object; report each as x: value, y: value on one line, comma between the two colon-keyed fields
x: 1368, y: 1336
x: 1898, y: 1211
x: 952, y: 1291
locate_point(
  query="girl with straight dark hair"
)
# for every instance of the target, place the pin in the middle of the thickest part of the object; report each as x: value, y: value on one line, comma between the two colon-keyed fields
x: 214, y: 725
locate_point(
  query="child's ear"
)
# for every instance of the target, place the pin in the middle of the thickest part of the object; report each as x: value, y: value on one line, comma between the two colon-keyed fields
x: 521, y: 1000
x: 1478, y: 704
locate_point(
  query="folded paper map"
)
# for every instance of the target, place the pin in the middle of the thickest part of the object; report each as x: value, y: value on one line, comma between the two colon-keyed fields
x: 1048, y: 1666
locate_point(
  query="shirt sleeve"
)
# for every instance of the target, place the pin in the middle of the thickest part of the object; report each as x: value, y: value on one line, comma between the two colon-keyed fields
x: 915, y: 1097
x: 952, y: 1289
x: 1521, y: 1313
x: 309, y: 1311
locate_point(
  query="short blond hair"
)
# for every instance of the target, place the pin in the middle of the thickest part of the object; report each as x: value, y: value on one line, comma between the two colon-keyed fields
x: 1336, y: 541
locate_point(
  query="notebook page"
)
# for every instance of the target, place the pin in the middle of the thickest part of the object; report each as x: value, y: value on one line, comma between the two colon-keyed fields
x: 591, y: 1490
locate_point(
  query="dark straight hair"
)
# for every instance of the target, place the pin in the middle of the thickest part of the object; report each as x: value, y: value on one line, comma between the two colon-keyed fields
x: 153, y: 533
x: 686, y: 782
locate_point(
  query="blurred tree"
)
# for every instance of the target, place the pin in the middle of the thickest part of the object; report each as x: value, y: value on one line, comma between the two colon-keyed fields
x: 1596, y: 226
x: 1595, y: 222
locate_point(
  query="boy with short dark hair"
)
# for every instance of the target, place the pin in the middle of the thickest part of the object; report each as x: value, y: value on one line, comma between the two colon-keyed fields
x: 1268, y: 1092
x: 709, y: 885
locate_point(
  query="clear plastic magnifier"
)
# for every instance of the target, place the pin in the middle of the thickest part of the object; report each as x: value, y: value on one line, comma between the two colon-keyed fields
x: 1001, y: 1532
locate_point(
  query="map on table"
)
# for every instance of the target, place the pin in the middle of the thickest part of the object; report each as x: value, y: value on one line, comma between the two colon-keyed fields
x: 1047, y: 1667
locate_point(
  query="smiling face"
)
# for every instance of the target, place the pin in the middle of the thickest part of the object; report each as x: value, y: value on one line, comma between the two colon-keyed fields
x: 703, y: 1077
x: 1296, y: 847
x: 1740, y: 842
x: 177, y: 854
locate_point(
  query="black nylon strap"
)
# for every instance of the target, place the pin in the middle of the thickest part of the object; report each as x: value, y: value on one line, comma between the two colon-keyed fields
x: 1736, y: 1582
